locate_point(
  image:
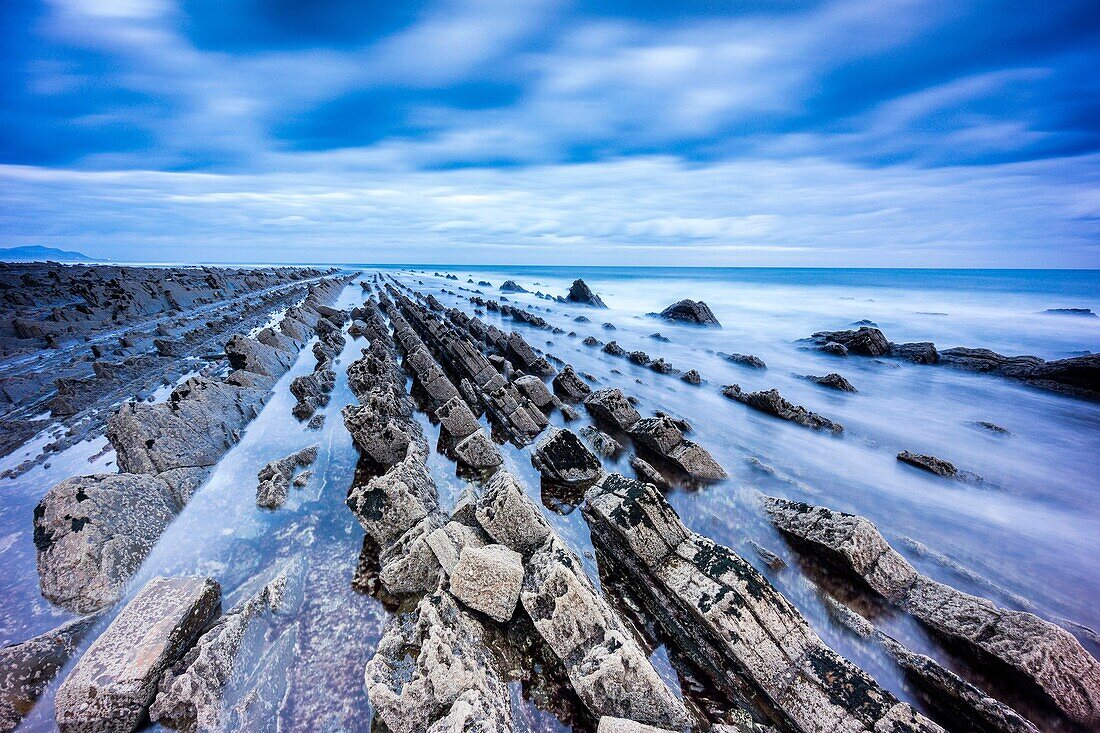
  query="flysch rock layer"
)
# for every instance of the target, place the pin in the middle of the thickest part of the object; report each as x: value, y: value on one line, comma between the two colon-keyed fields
x: 607, y: 667
x: 190, y: 694
x: 730, y: 620
x: 1038, y: 650
x: 114, y: 682
x: 93, y: 532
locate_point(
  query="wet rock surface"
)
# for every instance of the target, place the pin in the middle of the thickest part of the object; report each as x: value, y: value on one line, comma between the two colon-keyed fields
x: 1045, y: 654
x: 690, y: 311
x: 115, y: 681
x: 275, y: 478
x: 931, y: 464
x: 563, y: 459
x: 736, y: 626
x: 579, y: 292
x: 773, y: 403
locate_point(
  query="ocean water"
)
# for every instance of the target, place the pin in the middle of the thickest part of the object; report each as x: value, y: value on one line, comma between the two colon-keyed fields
x: 1027, y: 536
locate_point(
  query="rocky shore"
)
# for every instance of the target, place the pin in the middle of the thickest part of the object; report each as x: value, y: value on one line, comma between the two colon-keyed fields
x: 523, y: 579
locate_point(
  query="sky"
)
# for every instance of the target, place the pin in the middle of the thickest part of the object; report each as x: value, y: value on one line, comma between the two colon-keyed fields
x: 885, y: 133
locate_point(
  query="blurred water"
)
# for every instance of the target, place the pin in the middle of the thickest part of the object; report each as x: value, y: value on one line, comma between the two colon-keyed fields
x: 1031, y: 531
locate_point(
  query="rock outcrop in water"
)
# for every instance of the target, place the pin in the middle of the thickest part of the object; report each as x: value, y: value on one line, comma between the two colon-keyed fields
x: 733, y: 624
x: 690, y: 311
x: 1041, y: 652
x: 773, y: 403
x: 579, y: 292
x: 275, y: 478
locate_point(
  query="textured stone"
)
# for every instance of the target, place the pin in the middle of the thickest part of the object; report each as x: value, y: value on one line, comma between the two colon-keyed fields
x: 509, y: 516
x: 563, y: 459
x: 488, y: 579
x: 611, y: 407
x: 92, y: 533
x: 113, y: 684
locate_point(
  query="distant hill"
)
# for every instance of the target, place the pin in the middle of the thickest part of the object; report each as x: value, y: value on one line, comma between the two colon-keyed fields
x: 37, y: 253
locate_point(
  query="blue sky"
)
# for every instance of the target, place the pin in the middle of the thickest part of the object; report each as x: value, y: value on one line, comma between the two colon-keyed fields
x: 884, y: 133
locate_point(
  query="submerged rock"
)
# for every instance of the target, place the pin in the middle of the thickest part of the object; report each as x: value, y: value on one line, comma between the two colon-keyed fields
x: 1048, y: 655
x: 275, y: 477
x: 745, y: 360
x: 832, y: 381
x: 113, y: 684
x: 600, y: 441
x: 1086, y: 312
x: 93, y: 532
x: 773, y: 403
x: 579, y: 292
x: 931, y: 464
x: 690, y: 311
x: 27, y: 668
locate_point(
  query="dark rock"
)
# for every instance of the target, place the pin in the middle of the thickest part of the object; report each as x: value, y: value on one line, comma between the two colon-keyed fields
x: 612, y: 408
x: 614, y: 349
x: 1087, y: 312
x: 569, y: 386
x: 931, y: 464
x: 692, y: 377
x: 253, y: 356
x: 920, y: 353
x: 835, y: 349
x: 579, y: 292
x: 510, y: 286
x: 832, y: 381
x: 866, y: 341
x: 609, y: 326
x: 991, y: 427
x: 563, y: 459
x: 582, y: 319
x: 591, y: 341
x: 637, y: 357
x: 773, y: 403
x: 603, y: 443
x: 658, y: 337
x: 745, y: 360
x: 690, y: 311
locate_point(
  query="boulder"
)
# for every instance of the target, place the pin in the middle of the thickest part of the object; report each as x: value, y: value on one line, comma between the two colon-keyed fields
x: 190, y: 695
x: 478, y: 451
x: 511, y: 286
x: 773, y: 403
x: 509, y: 517
x: 569, y: 386
x: 690, y: 311
x: 383, y: 439
x: 389, y: 505
x: 647, y: 473
x: 579, y: 292
x: 275, y: 477
x: 563, y: 459
x: 611, y: 407
x: 657, y: 434
x: 534, y: 389
x: 745, y: 360
x: 93, y: 532
x: 457, y: 418
x: 488, y: 579
x: 600, y: 441
x: 691, y: 376
x: 613, y: 348
x: 113, y: 684
x: 27, y: 668
x: 865, y: 341
x: 252, y: 356
x: 832, y: 381
x: 919, y: 353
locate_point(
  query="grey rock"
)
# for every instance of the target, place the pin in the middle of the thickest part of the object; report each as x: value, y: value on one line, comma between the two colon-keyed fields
x: 252, y: 356
x: 692, y: 377
x: 569, y: 386
x: 1047, y: 654
x: 488, y: 579
x: 389, y: 505
x: 579, y: 292
x: 648, y: 473
x: 563, y: 459
x: 113, y: 684
x: 865, y: 341
x: 457, y: 418
x: 433, y: 673
x: 773, y: 403
x: 609, y: 724
x: 613, y: 348
x: 509, y: 517
x: 931, y: 464
x: 611, y: 407
x: 600, y: 441
x: 535, y: 390
x: 919, y: 353
x: 275, y: 477
x: 478, y: 451
x: 92, y: 533
x: 27, y: 668
x: 740, y: 628
x: 658, y: 434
